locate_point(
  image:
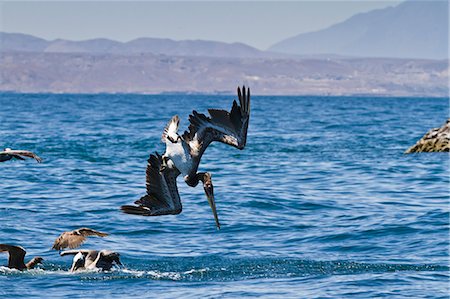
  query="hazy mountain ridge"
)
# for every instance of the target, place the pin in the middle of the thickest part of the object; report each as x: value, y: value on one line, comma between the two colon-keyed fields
x: 326, y: 67
x: 28, y: 43
x: 413, y: 29
x: 149, y: 73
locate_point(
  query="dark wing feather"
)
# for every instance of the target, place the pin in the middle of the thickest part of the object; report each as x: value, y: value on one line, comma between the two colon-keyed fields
x: 16, y: 255
x: 110, y: 256
x: 162, y: 196
x: 223, y: 126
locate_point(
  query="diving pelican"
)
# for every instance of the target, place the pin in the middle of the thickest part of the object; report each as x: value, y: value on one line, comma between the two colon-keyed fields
x: 183, y: 155
x: 75, y: 238
x: 92, y: 259
x: 17, y: 256
x: 9, y: 154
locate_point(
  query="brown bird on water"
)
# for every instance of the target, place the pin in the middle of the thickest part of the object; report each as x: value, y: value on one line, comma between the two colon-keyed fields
x: 75, y: 238
x: 9, y: 154
x: 17, y: 256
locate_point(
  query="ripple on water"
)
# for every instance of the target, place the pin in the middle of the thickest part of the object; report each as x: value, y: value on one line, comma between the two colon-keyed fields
x: 322, y: 205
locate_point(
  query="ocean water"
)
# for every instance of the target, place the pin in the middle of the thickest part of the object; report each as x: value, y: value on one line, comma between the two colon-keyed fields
x: 322, y: 202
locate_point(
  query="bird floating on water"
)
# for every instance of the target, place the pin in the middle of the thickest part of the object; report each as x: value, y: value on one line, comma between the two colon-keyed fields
x: 17, y: 257
x: 8, y: 154
x: 92, y: 259
x: 75, y: 238
x: 183, y: 155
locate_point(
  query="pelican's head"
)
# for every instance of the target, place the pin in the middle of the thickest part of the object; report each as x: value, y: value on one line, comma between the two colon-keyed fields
x: 209, y: 191
x: 37, y: 260
x: 34, y: 261
x: 78, y: 262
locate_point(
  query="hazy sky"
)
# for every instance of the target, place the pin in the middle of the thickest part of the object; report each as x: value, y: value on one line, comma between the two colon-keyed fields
x: 256, y: 23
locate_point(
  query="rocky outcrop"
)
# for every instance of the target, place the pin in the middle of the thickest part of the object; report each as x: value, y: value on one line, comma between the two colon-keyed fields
x: 435, y: 140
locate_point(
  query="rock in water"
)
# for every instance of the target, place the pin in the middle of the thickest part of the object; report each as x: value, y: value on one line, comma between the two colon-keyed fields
x: 435, y: 140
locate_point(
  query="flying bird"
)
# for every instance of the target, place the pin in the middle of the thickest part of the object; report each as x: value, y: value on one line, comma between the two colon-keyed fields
x: 183, y: 155
x: 17, y: 257
x: 75, y: 238
x: 92, y: 259
x: 9, y: 154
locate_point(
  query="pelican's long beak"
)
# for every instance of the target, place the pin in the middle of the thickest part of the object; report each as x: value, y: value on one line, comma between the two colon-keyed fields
x: 209, y: 191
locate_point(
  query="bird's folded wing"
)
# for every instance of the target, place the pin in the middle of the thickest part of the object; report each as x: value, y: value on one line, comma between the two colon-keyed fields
x: 162, y: 196
x: 227, y: 127
x: 110, y: 256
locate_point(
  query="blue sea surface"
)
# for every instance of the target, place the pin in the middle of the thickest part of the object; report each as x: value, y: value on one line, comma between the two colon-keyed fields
x: 322, y: 202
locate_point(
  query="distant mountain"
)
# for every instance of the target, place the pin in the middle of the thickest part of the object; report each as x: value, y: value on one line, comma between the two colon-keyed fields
x: 150, y: 73
x: 21, y: 42
x: 317, y: 63
x: 413, y: 29
x: 28, y: 43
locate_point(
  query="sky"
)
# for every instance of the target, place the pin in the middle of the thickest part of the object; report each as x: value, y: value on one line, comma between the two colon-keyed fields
x: 257, y: 23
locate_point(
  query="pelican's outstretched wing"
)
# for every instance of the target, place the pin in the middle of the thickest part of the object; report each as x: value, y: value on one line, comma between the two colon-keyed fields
x: 19, y: 153
x: 75, y: 238
x: 16, y: 255
x: 74, y: 252
x: 227, y: 127
x: 162, y: 196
